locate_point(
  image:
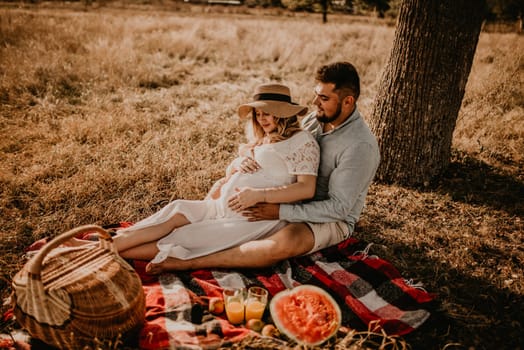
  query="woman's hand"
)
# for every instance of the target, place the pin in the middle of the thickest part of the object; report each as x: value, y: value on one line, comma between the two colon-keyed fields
x: 248, y: 166
x: 245, y: 198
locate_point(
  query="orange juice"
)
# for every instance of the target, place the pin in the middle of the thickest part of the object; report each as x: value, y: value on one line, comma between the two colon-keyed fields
x: 254, y: 309
x: 235, y: 312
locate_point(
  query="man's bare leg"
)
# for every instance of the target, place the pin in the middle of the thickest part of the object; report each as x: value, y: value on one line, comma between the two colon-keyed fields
x: 134, y: 238
x: 293, y: 240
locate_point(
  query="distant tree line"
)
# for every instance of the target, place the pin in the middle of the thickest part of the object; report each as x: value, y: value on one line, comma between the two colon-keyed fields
x: 495, y: 9
x: 508, y: 10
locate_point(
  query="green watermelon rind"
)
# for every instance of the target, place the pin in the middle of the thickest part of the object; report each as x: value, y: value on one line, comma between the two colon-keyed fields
x: 288, y: 333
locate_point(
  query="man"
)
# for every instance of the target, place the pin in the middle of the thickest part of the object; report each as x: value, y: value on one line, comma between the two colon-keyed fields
x: 348, y: 161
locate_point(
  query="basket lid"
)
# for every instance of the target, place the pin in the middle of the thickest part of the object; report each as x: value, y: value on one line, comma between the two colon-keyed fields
x: 48, y: 305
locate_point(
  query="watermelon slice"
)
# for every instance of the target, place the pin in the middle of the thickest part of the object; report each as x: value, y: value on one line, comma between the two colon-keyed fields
x: 306, y: 314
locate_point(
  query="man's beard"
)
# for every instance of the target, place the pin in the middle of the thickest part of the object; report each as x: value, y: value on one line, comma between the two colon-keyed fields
x: 327, y: 119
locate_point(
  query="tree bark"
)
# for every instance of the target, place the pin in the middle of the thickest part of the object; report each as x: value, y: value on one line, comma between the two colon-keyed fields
x: 422, y: 87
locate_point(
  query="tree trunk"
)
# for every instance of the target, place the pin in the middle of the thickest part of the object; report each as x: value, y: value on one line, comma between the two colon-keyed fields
x: 422, y: 87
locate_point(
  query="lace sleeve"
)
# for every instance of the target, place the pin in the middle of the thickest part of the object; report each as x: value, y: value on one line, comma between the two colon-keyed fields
x: 304, y: 157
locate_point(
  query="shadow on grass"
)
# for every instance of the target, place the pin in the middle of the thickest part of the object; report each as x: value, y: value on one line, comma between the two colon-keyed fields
x: 473, y: 313
x: 472, y: 181
x: 469, y: 311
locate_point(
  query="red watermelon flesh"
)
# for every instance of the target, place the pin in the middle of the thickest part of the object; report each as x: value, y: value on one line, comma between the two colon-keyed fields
x: 306, y: 314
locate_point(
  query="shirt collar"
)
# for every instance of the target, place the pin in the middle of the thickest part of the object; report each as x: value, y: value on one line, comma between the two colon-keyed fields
x: 354, y: 116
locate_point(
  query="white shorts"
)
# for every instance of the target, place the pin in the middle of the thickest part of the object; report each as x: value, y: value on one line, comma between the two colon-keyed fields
x: 328, y: 234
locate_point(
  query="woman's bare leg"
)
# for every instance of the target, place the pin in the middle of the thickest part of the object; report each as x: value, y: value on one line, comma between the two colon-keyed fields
x: 292, y: 240
x: 146, y: 251
x: 125, y: 240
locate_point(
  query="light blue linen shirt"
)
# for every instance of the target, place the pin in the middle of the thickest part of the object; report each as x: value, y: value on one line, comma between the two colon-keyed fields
x: 349, y: 158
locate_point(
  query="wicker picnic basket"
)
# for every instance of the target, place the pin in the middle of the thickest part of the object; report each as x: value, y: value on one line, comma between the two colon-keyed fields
x: 78, y: 297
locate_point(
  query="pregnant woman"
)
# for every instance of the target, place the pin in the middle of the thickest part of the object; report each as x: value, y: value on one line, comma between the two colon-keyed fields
x: 286, y: 158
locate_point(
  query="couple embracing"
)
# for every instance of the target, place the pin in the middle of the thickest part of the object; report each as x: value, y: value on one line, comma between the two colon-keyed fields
x: 297, y: 186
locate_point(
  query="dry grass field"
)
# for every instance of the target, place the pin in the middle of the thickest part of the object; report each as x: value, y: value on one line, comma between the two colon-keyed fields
x: 108, y: 113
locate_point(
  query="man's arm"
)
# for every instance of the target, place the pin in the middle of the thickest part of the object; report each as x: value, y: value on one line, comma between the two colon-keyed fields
x: 348, y: 183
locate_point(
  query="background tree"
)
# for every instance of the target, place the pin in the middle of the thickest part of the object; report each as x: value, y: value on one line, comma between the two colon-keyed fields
x: 325, y: 5
x: 506, y: 9
x: 422, y: 87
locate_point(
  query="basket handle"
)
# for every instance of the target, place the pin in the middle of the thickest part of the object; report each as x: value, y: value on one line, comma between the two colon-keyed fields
x: 35, y: 265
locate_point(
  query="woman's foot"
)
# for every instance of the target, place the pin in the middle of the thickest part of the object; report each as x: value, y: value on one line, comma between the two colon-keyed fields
x: 154, y: 269
x: 169, y: 264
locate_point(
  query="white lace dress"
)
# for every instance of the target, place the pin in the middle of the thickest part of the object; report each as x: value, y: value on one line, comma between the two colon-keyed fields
x: 214, y: 226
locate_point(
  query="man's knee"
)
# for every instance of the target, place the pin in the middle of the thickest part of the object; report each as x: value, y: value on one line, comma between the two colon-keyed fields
x: 293, y: 240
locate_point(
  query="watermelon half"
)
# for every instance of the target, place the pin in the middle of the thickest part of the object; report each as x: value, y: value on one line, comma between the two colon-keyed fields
x: 306, y: 314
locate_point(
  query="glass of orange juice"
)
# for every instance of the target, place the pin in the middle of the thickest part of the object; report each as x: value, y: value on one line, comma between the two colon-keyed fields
x: 256, y: 303
x: 234, y: 304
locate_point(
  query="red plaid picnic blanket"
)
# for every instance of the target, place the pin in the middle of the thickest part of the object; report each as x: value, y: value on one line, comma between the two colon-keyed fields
x: 367, y: 288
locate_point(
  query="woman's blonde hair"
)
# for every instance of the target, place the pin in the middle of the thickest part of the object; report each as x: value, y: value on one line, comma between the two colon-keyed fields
x: 286, y: 127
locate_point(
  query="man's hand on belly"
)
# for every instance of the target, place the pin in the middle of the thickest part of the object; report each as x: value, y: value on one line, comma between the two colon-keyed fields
x: 262, y: 211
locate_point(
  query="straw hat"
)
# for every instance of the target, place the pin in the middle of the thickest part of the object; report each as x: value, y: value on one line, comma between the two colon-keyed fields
x: 274, y: 99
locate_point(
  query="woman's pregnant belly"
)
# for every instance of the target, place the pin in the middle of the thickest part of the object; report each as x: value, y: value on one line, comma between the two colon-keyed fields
x: 254, y: 180
x: 239, y: 180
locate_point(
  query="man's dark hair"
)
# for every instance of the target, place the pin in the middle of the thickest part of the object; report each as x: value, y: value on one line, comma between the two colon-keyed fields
x: 344, y: 75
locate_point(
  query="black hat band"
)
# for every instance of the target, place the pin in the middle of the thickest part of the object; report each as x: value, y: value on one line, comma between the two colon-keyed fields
x: 272, y: 97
